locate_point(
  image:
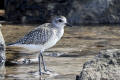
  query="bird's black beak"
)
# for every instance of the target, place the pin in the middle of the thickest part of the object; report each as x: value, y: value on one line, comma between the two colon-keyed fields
x: 67, y: 24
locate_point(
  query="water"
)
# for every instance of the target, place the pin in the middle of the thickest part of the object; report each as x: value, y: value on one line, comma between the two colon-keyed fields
x: 62, y: 69
x: 79, y: 44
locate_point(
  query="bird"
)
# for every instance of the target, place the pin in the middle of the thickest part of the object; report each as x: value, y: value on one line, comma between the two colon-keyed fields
x: 41, y: 38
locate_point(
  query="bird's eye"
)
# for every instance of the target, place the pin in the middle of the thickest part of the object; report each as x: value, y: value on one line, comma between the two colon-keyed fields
x: 60, y: 20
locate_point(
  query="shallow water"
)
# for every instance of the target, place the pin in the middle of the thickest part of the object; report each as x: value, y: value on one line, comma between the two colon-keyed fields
x: 68, y: 56
x: 63, y: 68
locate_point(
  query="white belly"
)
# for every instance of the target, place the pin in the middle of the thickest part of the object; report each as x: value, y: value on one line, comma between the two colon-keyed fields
x: 30, y: 48
x: 54, y: 39
x: 51, y: 43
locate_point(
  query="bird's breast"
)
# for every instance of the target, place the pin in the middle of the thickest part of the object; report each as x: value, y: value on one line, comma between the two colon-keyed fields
x: 54, y: 39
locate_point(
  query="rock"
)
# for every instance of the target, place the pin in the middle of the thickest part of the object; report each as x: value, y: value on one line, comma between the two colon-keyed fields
x: 105, y: 66
x: 2, y: 47
x: 77, y: 11
x: 2, y: 71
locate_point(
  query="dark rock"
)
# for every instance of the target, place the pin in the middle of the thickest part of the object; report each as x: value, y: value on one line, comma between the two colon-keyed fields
x: 2, y: 18
x: 77, y: 11
x: 77, y: 77
x: 104, y: 66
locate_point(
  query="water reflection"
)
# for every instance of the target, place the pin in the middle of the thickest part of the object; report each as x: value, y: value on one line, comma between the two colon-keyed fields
x: 40, y: 78
x: 2, y: 70
x: 24, y: 72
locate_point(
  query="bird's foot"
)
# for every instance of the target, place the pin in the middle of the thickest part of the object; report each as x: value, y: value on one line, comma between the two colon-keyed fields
x: 48, y: 73
x: 40, y: 73
x: 46, y: 70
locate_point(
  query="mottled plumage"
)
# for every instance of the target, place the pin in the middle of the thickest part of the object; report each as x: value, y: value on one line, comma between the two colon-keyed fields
x: 37, y: 36
x: 42, y: 37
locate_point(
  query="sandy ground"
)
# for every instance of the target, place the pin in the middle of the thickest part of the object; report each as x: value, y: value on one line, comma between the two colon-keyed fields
x: 78, y: 45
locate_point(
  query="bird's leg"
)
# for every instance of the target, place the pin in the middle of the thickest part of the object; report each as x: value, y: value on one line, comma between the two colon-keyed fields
x: 39, y: 64
x: 43, y: 62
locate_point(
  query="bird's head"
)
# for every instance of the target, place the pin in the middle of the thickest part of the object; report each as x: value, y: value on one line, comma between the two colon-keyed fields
x: 60, y: 22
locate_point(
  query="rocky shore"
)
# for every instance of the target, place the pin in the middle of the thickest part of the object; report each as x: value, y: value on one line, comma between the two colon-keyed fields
x: 2, y: 55
x: 2, y: 47
x: 105, y: 66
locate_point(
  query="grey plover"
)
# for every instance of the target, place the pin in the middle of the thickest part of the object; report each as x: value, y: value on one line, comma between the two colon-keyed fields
x: 42, y: 38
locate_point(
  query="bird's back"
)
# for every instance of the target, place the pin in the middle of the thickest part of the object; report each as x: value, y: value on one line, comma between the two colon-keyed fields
x: 39, y: 35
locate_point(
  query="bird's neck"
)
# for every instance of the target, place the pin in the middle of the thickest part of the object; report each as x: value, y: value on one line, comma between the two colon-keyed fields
x: 60, y: 32
x: 59, y: 26
x: 59, y: 29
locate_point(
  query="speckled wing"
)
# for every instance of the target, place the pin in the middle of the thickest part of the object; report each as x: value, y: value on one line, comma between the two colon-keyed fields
x: 37, y: 36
